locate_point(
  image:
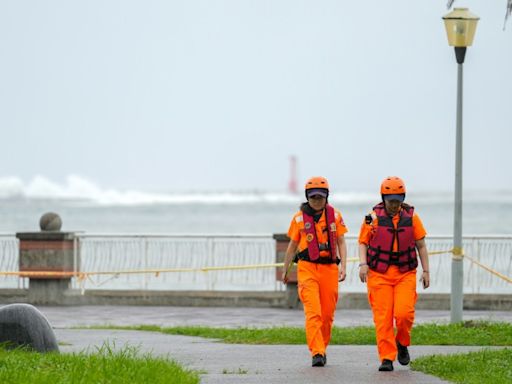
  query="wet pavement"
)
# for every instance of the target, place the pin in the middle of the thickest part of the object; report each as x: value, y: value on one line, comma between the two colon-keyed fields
x: 66, y: 317
x: 221, y: 363
x: 246, y: 364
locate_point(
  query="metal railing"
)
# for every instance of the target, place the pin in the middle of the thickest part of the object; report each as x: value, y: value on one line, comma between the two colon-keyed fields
x: 9, y: 261
x: 192, y: 253
x: 492, y: 251
x: 174, y: 252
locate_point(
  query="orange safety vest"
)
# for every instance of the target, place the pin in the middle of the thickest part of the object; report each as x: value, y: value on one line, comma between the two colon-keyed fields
x: 312, y: 252
x: 380, y: 247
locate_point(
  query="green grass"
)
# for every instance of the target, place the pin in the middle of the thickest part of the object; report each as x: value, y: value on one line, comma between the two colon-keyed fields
x: 104, y: 366
x: 483, y: 367
x: 465, y: 333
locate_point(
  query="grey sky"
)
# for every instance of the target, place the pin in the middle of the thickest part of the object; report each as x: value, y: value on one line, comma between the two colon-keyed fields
x: 215, y: 95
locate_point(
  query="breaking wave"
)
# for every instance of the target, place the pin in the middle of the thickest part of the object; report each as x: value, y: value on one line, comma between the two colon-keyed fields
x: 77, y: 188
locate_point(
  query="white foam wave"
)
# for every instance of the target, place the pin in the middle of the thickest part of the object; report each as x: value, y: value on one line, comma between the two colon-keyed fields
x: 77, y: 188
x: 10, y: 187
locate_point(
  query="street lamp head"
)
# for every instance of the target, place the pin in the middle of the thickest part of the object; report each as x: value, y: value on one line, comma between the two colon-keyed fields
x: 460, y: 27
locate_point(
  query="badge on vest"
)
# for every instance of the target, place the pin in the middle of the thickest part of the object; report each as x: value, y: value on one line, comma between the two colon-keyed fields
x: 333, y: 227
x: 307, y: 225
x: 309, y: 237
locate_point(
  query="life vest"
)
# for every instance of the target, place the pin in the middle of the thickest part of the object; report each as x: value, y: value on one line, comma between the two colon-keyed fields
x: 312, y: 252
x: 380, y: 247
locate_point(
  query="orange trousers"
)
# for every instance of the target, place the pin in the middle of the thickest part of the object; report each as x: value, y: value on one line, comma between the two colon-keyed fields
x: 392, y: 296
x: 318, y: 291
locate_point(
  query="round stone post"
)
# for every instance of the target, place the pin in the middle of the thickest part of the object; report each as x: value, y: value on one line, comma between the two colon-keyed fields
x: 48, y: 258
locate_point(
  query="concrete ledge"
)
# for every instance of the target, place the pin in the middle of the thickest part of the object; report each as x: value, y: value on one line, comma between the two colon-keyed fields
x: 177, y: 298
x: 46, y: 236
x: 11, y: 296
x: 488, y: 302
x: 439, y: 301
x: 244, y: 299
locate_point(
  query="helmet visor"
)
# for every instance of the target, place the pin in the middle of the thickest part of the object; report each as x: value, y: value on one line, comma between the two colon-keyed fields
x: 400, y: 197
x: 317, y: 192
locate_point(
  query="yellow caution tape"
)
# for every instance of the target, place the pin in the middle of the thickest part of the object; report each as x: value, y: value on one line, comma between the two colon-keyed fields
x: 488, y: 269
x: 458, y: 253
x: 439, y: 252
x: 83, y: 276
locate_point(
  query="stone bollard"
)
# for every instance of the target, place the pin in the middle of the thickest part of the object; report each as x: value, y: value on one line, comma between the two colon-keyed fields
x: 24, y: 325
x: 50, y: 252
x: 292, y: 296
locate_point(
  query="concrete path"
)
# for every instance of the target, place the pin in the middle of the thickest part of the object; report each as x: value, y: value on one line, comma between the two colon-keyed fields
x: 66, y: 317
x: 245, y: 364
x: 250, y: 364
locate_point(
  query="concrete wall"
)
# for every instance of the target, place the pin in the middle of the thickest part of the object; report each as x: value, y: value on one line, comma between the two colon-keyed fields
x: 243, y: 299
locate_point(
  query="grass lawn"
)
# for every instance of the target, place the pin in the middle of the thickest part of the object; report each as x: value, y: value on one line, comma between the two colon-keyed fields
x: 487, y: 366
x: 483, y: 367
x: 105, y: 366
x: 465, y: 333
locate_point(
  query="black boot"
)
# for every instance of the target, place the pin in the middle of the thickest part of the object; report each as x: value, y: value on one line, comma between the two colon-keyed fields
x: 318, y: 361
x: 403, y: 354
x: 387, y: 365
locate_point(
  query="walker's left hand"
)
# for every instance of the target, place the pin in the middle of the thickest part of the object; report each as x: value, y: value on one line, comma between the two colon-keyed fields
x: 284, y: 277
x: 341, y: 274
x: 425, y: 279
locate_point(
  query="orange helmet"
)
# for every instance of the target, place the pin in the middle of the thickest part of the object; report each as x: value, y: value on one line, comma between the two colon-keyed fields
x: 317, y: 182
x: 392, y: 185
x: 317, y: 185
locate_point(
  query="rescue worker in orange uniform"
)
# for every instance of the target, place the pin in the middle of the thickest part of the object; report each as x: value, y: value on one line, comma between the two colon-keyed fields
x: 391, y: 239
x: 317, y: 244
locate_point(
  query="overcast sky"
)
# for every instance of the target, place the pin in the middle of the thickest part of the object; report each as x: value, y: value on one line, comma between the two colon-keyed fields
x: 217, y: 94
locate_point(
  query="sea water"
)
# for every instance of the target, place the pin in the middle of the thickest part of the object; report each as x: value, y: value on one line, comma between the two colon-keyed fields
x: 235, y: 213
x: 241, y: 212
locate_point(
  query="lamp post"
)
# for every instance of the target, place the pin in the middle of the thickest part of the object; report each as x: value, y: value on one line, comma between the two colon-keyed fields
x: 460, y: 27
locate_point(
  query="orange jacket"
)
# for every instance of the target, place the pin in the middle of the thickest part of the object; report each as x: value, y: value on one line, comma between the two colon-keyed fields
x: 297, y: 232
